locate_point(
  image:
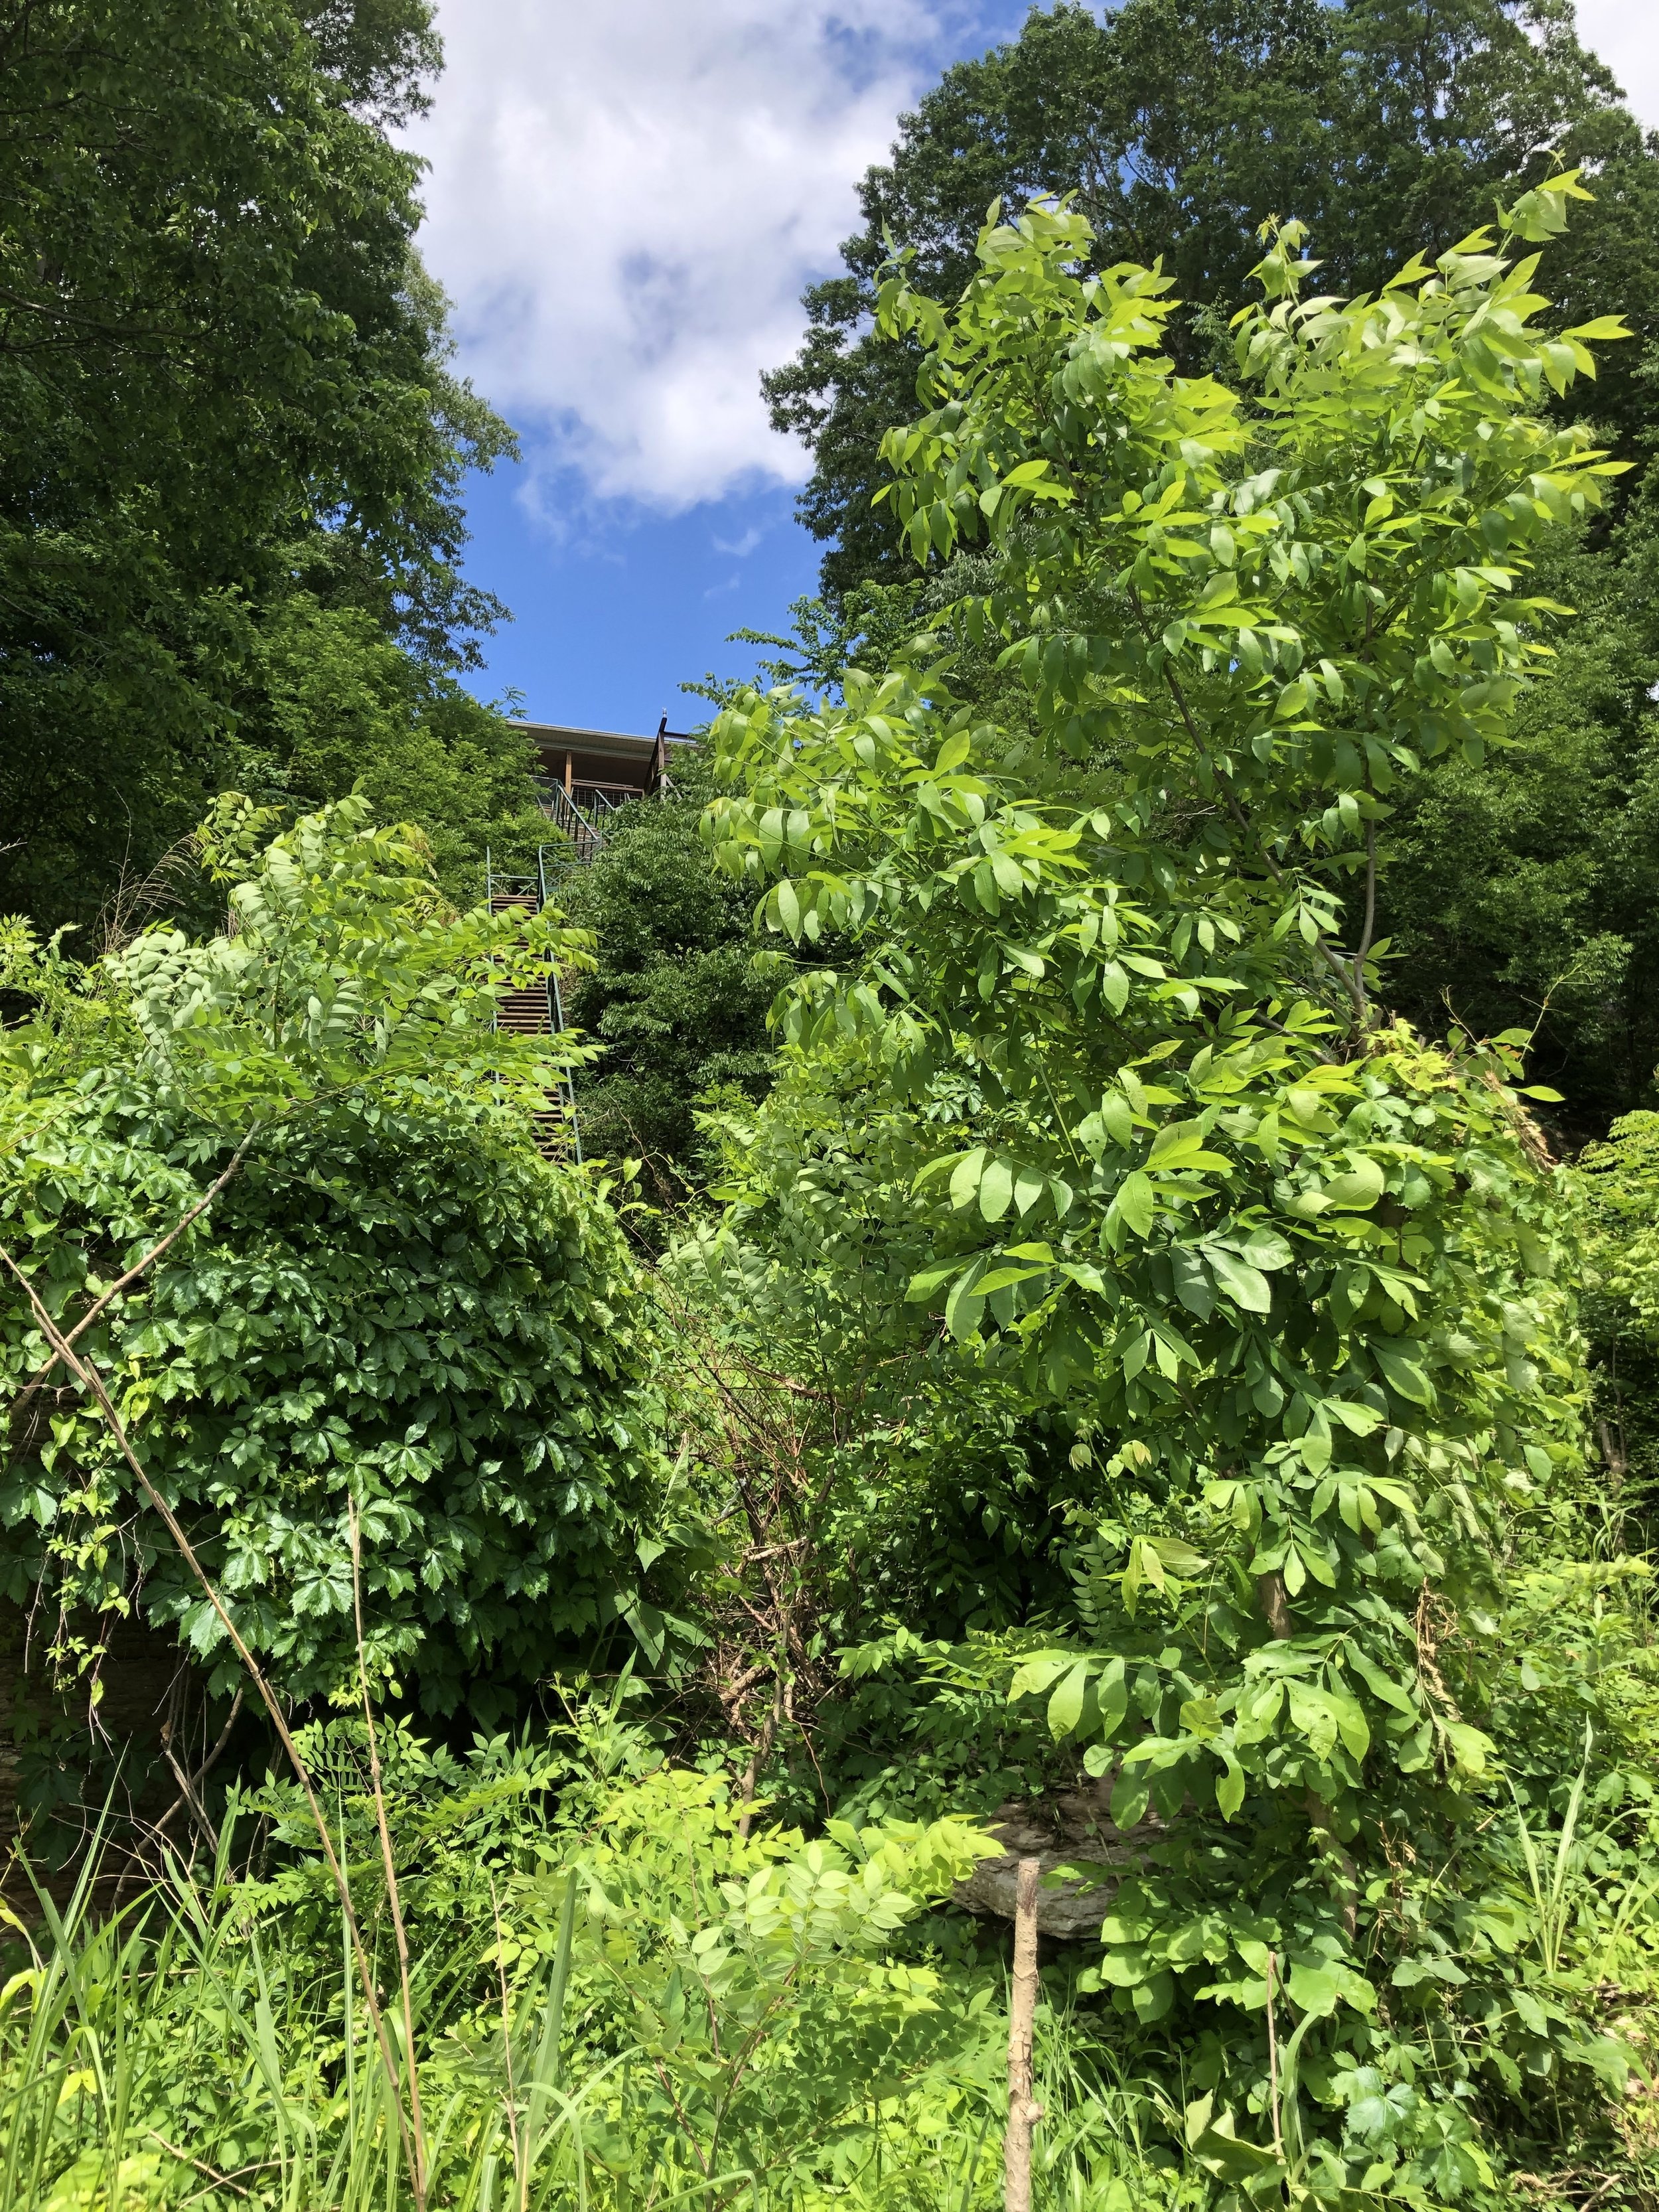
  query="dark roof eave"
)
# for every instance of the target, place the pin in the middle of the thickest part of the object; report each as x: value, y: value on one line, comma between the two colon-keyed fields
x: 618, y: 744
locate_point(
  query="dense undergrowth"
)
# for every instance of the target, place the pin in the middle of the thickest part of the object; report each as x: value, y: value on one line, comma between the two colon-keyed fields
x: 618, y: 2000
x: 1120, y: 1376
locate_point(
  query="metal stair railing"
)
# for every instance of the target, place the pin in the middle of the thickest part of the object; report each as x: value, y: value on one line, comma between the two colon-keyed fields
x: 579, y: 813
x: 502, y: 892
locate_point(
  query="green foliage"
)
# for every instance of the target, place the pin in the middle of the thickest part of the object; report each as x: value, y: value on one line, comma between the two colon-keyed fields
x: 620, y: 2002
x: 335, y: 705
x: 223, y: 374
x: 394, y: 1301
x: 1618, y: 1182
x: 1181, y: 125
x: 1156, y: 1379
x: 678, y: 994
x: 1515, y: 891
x: 1520, y: 893
x: 1103, y: 1054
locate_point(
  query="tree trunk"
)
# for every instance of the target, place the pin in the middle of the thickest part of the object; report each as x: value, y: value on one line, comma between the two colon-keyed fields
x: 1023, y: 2111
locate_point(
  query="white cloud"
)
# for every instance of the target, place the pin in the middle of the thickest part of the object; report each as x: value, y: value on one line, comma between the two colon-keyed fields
x: 626, y: 196
x: 1625, y: 34
x: 624, y: 200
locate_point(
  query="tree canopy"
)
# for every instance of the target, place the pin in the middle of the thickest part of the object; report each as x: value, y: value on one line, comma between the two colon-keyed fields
x: 1182, y: 126
x: 1104, y: 1105
x: 1515, y: 895
x: 225, y: 380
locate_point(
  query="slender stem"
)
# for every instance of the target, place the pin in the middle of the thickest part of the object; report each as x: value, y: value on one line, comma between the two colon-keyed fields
x: 1024, y: 2111
x: 763, y: 1743
x: 206, y: 1767
x: 1369, y: 928
x: 187, y: 1791
x: 219, y: 2180
x: 1272, y: 2058
x: 507, y: 2052
x: 394, y: 1898
x: 87, y: 1374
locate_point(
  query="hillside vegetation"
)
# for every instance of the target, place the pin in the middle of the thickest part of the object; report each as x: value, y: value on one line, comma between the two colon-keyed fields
x: 1068, y: 1338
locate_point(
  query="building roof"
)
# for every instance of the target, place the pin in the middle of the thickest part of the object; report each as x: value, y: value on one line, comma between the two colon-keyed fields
x: 607, y: 744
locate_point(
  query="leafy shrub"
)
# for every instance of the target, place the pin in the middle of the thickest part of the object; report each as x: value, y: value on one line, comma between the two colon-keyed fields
x: 394, y: 1302
x: 678, y: 991
x: 1618, y: 1184
x: 622, y: 1998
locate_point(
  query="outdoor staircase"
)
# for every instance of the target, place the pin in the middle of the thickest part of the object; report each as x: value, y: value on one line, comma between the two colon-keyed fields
x: 538, y: 1010
x: 580, y: 811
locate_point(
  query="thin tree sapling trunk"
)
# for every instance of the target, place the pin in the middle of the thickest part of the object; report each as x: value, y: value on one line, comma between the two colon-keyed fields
x: 1024, y: 2111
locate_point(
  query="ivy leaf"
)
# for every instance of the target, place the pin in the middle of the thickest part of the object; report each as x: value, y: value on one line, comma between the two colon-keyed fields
x: 1312, y: 1990
x: 1358, y: 1190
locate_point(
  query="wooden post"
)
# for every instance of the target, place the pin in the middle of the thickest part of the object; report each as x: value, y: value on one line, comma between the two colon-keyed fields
x: 1024, y: 2111
x: 568, y: 763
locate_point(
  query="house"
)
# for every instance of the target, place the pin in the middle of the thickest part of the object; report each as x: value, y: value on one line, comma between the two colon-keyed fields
x: 595, y: 771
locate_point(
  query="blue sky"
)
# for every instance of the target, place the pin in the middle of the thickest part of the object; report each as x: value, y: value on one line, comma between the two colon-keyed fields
x: 625, y: 197
x: 611, y: 620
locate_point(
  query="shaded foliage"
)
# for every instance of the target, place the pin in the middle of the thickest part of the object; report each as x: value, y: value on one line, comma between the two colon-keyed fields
x: 1521, y: 891
x: 224, y: 375
x: 678, y: 991
x: 1618, y: 1185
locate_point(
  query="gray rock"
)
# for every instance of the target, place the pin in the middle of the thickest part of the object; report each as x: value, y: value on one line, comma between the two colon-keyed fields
x: 1073, y: 1828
